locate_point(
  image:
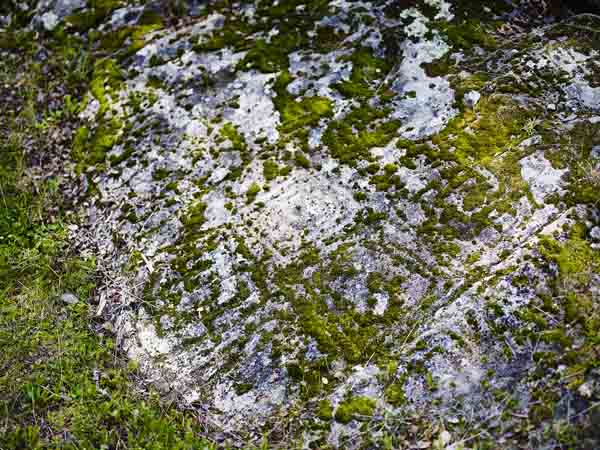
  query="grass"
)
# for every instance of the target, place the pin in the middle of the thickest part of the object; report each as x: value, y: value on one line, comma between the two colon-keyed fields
x: 63, y: 384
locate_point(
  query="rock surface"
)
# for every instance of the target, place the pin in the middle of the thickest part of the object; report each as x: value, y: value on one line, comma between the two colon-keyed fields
x: 319, y: 218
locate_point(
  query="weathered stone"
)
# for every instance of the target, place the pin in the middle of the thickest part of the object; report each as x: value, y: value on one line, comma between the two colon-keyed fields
x: 69, y: 299
x: 358, y: 205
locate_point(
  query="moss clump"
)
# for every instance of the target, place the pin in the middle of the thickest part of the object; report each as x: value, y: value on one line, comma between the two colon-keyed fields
x: 115, y: 42
x: 160, y: 174
x: 369, y: 216
x: 295, y: 115
x: 107, y: 78
x: 556, y: 336
x: 339, y: 330
x: 195, y: 215
x: 242, y: 388
x: 360, y: 196
x: 252, y: 192
x: 270, y: 170
x: 358, y: 408
x: 468, y: 34
x: 234, y: 33
x: 229, y: 131
x: 94, y: 15
x: 366, y: 70
x: 351, y: 139
x: 238, y: 143
x: 394, y: 394
x: 575, y: 258
x: 491, y: 128
x: 573, y: 151
x: 325, y: 410
x: 271, y: 56
x: 90, y: 147
x: 486, y: 137
x: 375, y: 282
x: 301, y: 160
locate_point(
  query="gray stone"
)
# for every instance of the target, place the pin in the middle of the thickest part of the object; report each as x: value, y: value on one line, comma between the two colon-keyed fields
x: 69, y: 299
x: 49, y: 13
x: 471, y: 98
x: 272, y: 251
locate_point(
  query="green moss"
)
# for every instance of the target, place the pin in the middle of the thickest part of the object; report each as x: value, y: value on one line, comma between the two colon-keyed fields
x: 107, y: 78
x: 375, y: 282
x: 272, y: 56
x: 341, y: 332
x: 492, y: 127
x: 311, y: 256
x: 556, y: 336
x: 93, y: 16
x: 138, y: 38
x: 325, y: 410
x: 571, y: 148
x: 301, y: 160
x: 530, y: 315
x: 385, y: 181
x: 360, y: 196
x: 8, y: 41
x: 575, y: 258
x: 487, y: 137
x: 476, y: 195
x: 252, y: 192
x: 468, y: 9
x: 366, y: 70
x: 358, y: 408
x: 229, y: 131
x: 195, y: 215
x: 242, y: 388
x: 462, y: 85
x: 468, y: 34
x: 91, y: 147
x: 160, y: 174
x: 394, y: 394
x: 296, y: 115
x: 369, y: 216
x: 115, y: 41
x: 352, y: 138
x: 270, y: 170
x: 234, y: 33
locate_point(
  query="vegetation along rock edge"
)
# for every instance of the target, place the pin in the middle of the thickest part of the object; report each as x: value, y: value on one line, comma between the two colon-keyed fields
x: 318, y: 223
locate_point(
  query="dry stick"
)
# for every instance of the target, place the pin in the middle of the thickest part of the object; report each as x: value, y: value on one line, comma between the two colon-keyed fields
x: 546, y: 313
x: 408, y: 337
x: 392, y: 71
x: 595, y: 16
x: 3, y: 197
x: 549, y: 27
x: 571, y: 375
x: 400, y: 351
x: 592, y: 406
x: 583, y: 28
x: 366, y: 365
x: 462, y: 441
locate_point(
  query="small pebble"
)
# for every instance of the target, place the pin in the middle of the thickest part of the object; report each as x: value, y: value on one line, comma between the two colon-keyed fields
x: 69, y: 299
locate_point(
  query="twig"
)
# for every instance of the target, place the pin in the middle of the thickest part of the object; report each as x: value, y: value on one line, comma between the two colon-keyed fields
x: 392, y: 71
x: 592, y: 406
x: 408, y: 337
x: 3, y: 197
x: 546, y: 313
